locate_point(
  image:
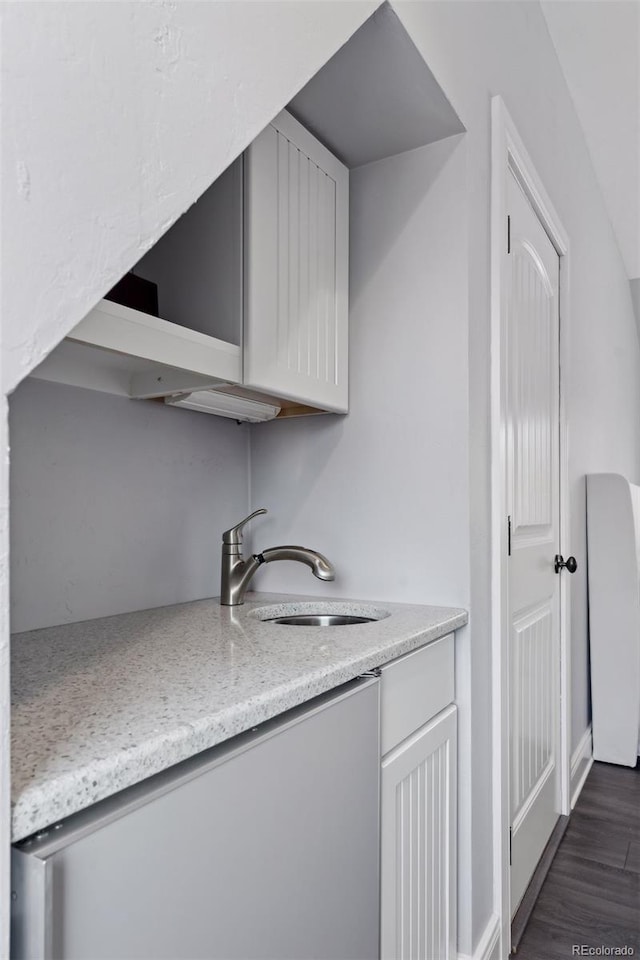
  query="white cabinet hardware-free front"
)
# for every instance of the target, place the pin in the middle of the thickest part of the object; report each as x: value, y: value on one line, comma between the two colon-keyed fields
x: 252, y: 289
x: 296, y: 256
x: 418, y: 805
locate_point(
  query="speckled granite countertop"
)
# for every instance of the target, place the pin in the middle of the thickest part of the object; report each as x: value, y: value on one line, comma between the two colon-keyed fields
x: 99, y: 705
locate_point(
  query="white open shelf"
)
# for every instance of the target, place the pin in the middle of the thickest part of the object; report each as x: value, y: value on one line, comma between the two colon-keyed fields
x: 119, y: 350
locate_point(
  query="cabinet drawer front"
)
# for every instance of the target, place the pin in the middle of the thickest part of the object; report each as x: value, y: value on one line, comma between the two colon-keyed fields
x: 415, y: 688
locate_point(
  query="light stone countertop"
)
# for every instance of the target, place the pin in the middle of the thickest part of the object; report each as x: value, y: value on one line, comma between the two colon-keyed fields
x: 100, y: 705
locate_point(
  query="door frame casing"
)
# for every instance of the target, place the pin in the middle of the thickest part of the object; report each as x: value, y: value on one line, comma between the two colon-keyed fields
x: 509, y: 156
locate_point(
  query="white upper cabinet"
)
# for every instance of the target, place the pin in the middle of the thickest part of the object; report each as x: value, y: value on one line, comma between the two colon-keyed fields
x: 296, y: 250
x: 252, y: 291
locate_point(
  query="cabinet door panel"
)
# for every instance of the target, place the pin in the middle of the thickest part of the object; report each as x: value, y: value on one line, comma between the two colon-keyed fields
x: 296, y: 268
x: 418, y: 827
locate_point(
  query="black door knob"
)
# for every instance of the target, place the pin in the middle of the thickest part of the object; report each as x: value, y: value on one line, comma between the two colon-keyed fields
x: 571, y: 564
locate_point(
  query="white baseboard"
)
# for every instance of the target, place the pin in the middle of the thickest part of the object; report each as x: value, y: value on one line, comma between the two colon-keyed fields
x: 581, y: 763
x: 489, y: 946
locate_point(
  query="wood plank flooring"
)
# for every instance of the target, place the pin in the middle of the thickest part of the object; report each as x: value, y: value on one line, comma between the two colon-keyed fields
x: 591, y: 895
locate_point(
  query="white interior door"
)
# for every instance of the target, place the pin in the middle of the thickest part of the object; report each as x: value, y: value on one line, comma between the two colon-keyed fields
x: 532, y: 343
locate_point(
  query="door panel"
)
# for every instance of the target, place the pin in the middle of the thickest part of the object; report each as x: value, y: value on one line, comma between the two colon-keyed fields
x: 534, y: 355
x: 531, y: 718
x: 533, y: 497
x: 418, y: 817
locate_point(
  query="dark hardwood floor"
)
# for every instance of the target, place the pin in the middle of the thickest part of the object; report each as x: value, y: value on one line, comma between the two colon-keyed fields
x: 591, y: 894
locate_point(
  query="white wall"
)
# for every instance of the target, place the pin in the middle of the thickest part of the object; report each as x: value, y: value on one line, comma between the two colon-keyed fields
x: 5, y: 691
x: 635, y: 297
x: 605, y: 89
x: 477, y: 50
x: 117, y: 504
x: 604, y: 406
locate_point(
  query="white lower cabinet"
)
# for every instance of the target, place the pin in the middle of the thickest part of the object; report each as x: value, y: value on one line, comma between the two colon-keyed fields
x: 418, y: 819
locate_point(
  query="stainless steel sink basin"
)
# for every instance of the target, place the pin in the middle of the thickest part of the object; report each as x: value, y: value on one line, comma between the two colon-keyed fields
x: 319, y: 613
x: 320, y: 620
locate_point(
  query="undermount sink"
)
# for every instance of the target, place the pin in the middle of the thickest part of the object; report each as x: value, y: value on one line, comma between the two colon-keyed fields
x: 320, y: 620
x: 319, y: 614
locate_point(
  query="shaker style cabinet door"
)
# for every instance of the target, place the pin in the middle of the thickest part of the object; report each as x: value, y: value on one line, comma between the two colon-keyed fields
x: 296, y: 267
x: 418, y: 854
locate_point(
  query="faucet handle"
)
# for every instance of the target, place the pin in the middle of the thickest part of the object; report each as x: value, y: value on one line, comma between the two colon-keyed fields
x: 234, y: 535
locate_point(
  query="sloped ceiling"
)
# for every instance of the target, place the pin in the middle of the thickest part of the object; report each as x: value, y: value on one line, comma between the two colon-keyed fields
x: 376, y: 96
x: 598, y: 46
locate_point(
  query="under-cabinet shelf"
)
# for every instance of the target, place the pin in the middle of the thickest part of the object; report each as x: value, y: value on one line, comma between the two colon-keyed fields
x: 116, y: 349
x: 125, y: 352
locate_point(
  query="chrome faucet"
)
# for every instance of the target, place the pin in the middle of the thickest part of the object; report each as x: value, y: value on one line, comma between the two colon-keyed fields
x: 237, y: 572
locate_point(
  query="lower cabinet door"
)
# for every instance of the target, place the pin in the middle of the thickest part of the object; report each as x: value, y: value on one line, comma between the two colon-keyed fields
x: 418, y: 854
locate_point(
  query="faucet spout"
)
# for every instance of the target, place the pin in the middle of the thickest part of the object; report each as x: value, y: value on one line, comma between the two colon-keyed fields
x: 320, y: 566
x: 237, y: 572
